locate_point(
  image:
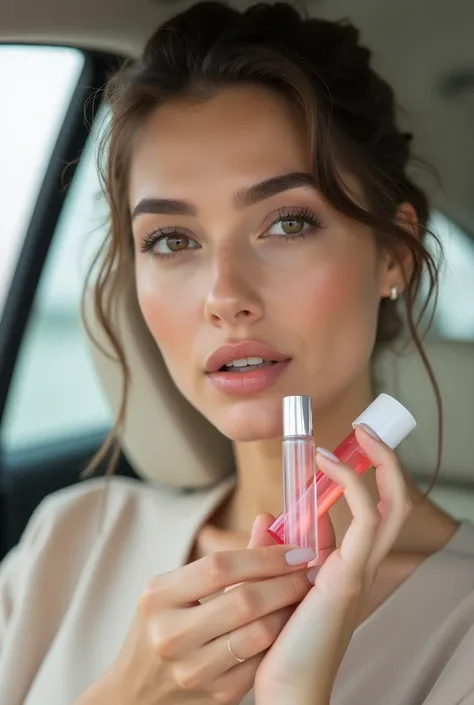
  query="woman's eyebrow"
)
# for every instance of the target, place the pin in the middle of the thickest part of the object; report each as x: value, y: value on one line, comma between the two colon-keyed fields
x: 163, y: 206
x: 271, y: 187
x: 242, y: 198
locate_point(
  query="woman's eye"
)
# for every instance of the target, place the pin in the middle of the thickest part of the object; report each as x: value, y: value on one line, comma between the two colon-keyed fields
x: 167, y: 244
x: 292, y: 226
x: 289, y: 226
x: 174, y: 243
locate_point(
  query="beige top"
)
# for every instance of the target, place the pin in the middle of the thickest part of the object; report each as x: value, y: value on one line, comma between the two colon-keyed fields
x: 68, y: 593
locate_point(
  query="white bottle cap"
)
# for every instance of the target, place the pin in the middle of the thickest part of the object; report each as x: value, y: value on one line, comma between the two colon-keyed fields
x: 388, y: 418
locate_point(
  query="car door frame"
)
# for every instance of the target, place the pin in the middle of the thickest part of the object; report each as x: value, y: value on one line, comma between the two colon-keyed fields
x: 29, y: 474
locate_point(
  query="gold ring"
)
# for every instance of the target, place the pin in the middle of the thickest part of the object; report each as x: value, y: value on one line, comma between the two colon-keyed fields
x: 234, y: 656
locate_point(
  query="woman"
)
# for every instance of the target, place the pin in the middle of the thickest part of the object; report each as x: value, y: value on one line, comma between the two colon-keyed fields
x: 260, y: 202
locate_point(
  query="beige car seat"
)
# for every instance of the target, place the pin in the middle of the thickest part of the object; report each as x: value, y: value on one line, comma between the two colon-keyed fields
x: 169, y: 443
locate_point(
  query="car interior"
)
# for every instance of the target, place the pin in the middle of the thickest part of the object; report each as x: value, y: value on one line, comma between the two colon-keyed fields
x: 59, y: 393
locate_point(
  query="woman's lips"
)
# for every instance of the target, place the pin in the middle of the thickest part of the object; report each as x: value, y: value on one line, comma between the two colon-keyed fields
x: 240, y: 384
x: 240, y: 350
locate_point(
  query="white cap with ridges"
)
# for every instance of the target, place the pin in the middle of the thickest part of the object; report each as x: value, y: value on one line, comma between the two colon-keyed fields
x: 390, y: 420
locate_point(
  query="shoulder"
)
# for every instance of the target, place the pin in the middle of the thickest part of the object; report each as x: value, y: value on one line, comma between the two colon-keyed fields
x: 91, y: 493
x: 100, y: 521
x: 448, y: 581
x: 99, y: 503
x: 456, y: 560
x: 454, y: 581
x: 91, y: 503
x: 71, y: 522
x: 455, y: 683
x: 83, y: 560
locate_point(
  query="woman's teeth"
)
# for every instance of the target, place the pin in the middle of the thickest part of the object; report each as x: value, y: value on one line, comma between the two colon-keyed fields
x: 246, y: 364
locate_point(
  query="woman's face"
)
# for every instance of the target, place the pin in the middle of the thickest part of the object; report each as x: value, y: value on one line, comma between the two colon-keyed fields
x: 236, y: 248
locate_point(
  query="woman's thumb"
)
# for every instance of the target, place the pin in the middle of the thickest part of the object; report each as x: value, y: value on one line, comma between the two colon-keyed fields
x: 260, y: 536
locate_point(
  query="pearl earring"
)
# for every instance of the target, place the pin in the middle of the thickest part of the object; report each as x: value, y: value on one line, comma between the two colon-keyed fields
x: 394, y: 293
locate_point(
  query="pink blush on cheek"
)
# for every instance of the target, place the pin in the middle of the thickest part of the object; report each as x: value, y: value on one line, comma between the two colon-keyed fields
x: 172, y: 322
x: 160, y: 310
x: 350, y: 279
x: 334, y: 315
x: 331, y: 291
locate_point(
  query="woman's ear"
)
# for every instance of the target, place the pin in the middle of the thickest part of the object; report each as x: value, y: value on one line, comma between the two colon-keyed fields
x: 398, y: 262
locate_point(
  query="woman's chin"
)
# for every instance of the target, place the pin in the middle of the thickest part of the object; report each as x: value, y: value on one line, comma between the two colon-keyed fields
x: 250, y: 424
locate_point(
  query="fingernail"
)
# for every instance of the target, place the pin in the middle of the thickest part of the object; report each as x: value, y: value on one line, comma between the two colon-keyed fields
x: 300, y: 555
x: 328, y: 454
x: 370, y: 431
x: 312, y: 574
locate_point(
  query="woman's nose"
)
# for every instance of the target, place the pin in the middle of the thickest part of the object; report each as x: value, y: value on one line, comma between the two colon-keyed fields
x: 233, y: 298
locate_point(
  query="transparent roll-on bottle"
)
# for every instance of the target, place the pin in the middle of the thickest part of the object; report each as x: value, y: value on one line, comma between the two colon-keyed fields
x: 300, y: 501
x: 390, y: 421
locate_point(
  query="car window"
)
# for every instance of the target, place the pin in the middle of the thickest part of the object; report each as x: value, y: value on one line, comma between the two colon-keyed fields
x: 43, y: 77
x: 55, y: 392
x: 454, y: 319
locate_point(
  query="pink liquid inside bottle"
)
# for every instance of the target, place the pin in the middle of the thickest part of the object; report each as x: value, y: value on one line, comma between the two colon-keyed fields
x: 391, y: 422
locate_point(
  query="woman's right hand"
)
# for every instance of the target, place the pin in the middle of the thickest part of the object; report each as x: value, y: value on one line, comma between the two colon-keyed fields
x: 177, y: 649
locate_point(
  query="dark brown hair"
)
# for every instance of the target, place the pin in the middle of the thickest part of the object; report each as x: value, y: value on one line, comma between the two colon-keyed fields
x: 350, y: 117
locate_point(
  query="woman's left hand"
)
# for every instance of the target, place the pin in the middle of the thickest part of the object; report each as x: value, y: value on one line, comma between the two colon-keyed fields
x: 301, y: 666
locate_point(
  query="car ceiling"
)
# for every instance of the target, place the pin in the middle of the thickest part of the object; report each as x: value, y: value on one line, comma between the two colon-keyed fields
x: 424, y: 48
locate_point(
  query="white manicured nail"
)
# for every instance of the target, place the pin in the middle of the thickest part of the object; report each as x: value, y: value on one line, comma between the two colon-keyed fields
x: 300, y: 555
x: 370, y: 431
